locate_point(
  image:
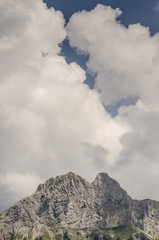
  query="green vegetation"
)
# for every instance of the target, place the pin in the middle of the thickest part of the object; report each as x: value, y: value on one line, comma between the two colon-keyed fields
x: 141, y: 236
x: 18, y: 237
x: 1, y: 217
x: 12, y: 237
x: 45, y: 236
x: 58, y: 237
x: 123, y: 232
x: 65, y: 236
x: 82, y: 205
x: 52, y: 225
x: 118, y: 233
x: 38, y: 238
x: 30, y: 235
x: 54, y: 232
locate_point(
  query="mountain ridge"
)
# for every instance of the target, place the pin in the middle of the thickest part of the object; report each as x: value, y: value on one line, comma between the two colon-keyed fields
x: 71, y: 201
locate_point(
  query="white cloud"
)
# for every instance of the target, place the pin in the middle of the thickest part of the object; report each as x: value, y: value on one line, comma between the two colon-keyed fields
x: 15, y: 186
x: 126, y: 61
x: 157, y: 7
x: 50, y: 122
x: 25, y: 33
x: 138, y: 161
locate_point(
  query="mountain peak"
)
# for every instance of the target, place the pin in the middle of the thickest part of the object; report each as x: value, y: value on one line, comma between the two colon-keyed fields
x: 102, y: 176
x: 70, y: 200
x: 69, y: 174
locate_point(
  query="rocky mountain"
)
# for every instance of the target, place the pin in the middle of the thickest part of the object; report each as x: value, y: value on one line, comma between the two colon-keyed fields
x: 71, y: 201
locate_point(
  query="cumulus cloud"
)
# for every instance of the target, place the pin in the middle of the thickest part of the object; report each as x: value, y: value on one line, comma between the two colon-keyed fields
x: 50, y: 121
x: 138, y: 161
x: 157, y: 7
x: 126, y: 61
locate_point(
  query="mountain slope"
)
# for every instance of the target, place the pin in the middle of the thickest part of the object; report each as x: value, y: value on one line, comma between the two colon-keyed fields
x: 70, y: 200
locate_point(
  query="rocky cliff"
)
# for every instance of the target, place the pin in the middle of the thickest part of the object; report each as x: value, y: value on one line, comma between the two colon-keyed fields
x: 71, y: 201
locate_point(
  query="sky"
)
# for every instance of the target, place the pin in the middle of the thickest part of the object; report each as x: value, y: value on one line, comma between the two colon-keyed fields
x: 79, y: 92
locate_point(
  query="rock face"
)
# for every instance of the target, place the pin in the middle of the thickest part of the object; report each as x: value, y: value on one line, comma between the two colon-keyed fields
x: 70, y: 200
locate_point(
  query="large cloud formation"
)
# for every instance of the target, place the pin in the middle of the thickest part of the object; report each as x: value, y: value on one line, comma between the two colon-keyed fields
x: 50, y: 121
x: 126, y: 61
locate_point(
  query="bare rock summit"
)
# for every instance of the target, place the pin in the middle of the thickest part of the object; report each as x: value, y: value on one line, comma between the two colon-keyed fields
x: 71, y: 201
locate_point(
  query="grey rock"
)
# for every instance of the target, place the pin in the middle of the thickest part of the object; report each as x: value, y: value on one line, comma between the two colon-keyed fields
x: 69, y: 200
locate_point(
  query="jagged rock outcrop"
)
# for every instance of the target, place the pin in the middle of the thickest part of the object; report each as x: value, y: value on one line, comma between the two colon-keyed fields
x: 69, y: 200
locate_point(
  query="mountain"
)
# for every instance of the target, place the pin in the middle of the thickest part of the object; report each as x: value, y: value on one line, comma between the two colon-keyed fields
x: 69, y: 201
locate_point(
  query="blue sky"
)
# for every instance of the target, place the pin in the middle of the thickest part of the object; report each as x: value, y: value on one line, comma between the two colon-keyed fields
x: 134, y: 11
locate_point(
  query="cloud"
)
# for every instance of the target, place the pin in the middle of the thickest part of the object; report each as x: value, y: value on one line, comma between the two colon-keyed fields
x: 126, y: 61
x: 97, y: 155
x: 157, y: 7
x: 50, y: 121
x: 25, y: 33
x: 13, y: 184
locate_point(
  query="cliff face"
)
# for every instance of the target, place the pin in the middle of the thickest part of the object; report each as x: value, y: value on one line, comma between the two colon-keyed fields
x: 70, y: 200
